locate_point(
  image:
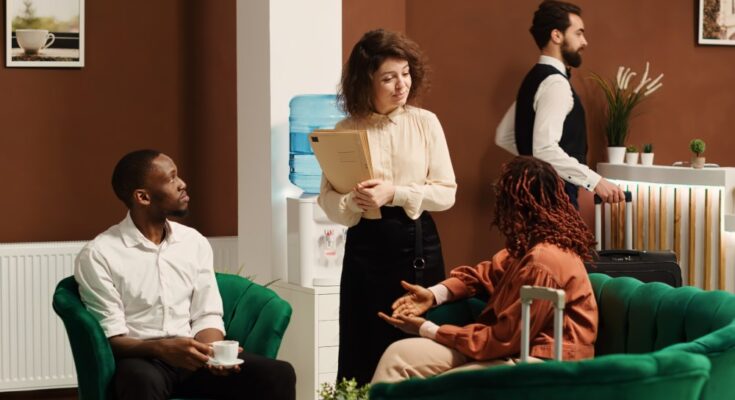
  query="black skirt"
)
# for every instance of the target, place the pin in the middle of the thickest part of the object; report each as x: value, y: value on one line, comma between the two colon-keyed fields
x: 378, y: 255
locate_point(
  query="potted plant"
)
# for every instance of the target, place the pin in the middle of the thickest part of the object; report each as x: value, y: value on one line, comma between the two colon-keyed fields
x: 697, y: 147
x: 344, y: 390
x: 647, y: 155
x: 621, y: 100
x: 631, y: 155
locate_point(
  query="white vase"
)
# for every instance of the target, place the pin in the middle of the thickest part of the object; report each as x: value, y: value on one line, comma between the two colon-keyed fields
x: 615, y: 154
x: 646, y: 158
x: 631, y: 158
x: 697, y: 162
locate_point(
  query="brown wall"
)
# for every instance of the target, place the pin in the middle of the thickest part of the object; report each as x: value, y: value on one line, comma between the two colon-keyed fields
x: 159, y: 75
x: 360, y: 16
x: 480, y: 50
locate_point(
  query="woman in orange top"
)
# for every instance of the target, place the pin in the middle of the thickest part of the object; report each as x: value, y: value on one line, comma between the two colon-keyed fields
x: 546, y: 243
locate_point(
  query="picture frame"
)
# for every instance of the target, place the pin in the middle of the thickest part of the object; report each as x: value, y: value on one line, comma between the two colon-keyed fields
x: 44, y: 33
x: 716, y: 22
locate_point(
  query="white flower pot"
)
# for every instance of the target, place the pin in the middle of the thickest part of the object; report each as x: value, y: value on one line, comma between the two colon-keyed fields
x: 631, y: 158
x: 646, y: 158
x: 615, y: 154
x: 698, y: 162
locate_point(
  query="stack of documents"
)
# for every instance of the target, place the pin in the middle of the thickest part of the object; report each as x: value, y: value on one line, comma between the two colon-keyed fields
x: 344, y: 156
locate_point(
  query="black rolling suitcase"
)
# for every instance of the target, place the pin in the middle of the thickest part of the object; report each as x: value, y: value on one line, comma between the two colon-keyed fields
x: 646, y: 266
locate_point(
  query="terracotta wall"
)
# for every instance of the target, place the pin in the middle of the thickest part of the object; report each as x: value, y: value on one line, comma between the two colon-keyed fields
x: 480, y: 50
x: 158, y: 74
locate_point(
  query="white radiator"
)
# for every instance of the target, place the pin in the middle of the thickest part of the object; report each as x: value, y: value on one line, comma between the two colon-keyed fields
x: 34, y: 350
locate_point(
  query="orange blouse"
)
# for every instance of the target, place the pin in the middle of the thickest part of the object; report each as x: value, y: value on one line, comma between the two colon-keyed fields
x: 497, y: 333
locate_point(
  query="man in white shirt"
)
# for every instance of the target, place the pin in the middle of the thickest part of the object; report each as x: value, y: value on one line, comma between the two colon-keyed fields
x: 151, y: 285
x: 547, y: 120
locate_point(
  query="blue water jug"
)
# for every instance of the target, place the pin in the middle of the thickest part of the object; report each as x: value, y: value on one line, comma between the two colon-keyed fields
x: 309, y: 112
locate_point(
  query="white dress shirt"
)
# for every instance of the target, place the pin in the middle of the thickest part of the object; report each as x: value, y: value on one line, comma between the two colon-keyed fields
x: 136, y: 288
x: 407, y: 148
x: 552, y: 102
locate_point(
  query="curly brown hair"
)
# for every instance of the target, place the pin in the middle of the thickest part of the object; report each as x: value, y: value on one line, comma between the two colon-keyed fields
x: 356, y: 86
x: 532, y: 207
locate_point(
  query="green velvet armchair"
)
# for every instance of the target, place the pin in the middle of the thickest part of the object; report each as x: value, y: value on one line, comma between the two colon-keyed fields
x: 253, y: 315
x: 654, y: 342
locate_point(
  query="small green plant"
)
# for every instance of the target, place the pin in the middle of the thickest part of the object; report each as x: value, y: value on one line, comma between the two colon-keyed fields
x: 697, y: 147
x: 631, y: 149
x: 648, y: 148
x: 344, y: 390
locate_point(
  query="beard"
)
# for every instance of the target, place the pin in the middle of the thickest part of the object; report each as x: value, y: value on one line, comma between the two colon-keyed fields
x: 180, y: 213
x: 572, y: 58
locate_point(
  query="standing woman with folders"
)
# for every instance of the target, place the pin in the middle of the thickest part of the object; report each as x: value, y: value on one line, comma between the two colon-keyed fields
x: 412, y: 174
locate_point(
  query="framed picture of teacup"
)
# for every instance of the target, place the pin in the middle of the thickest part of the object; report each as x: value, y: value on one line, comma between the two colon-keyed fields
x: 716, y: 22
x: 44, y: 33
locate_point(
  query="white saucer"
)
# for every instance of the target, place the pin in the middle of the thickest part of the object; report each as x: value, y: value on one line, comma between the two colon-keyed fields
x: 214, y: 362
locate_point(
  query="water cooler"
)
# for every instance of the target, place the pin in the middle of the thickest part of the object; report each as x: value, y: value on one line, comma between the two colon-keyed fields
x: 315, y: 250
x: 315, y: 244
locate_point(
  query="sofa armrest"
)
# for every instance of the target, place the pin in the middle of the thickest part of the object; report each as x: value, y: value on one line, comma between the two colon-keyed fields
x: 259, y: 318
x: 460, y: 313
x: 93, y: 358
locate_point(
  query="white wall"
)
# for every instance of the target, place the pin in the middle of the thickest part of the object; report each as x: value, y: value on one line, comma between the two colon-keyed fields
x: 284, y: 48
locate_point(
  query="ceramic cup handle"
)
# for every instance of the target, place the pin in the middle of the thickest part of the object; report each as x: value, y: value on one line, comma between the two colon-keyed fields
x: 50, y: 36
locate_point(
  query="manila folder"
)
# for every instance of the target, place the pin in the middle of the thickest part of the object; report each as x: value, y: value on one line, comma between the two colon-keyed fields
x: 344, y: 156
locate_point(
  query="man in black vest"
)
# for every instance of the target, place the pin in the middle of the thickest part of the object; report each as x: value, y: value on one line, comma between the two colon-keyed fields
x: 547, y: 120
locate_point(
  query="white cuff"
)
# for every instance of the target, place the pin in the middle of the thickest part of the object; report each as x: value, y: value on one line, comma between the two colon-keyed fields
x: 591, y: 182
x: 441, y: 293
x: 428, y: 330
x: 349, y: 203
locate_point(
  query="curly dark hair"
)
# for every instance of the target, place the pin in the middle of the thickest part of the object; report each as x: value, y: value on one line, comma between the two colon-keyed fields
x: 551, y: 14
x: 532, y: 207
x: 356, y: 86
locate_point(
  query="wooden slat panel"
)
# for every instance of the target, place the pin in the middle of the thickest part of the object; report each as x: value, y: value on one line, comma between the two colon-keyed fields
x: 692, y: 236
x: 613, y: 225
x: 621, y: 225
x: 721, y: 275
x: 663, y: 217
x: 639, y: 220
x: 707, y: 239
x: 677, y: 223
x: 651, y: 218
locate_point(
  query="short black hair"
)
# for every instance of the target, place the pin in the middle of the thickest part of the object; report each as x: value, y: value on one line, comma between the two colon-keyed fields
x: 551, y: 14
x: 130, y: 173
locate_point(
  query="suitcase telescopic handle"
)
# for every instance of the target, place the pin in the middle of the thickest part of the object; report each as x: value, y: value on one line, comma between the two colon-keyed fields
x: 628, y: 197
x: 628, y: 221
x: 557, y: 298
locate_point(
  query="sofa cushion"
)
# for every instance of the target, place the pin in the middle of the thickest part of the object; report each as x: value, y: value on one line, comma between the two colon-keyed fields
x: 663, y: 375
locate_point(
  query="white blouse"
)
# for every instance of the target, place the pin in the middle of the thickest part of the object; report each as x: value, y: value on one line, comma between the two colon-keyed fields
x: 408, y: 149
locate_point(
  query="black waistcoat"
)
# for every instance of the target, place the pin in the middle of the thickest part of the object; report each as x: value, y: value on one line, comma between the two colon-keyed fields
x: 574, y: 136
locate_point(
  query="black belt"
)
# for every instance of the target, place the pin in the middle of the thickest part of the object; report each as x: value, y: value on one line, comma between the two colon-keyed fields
x: 419, y: 263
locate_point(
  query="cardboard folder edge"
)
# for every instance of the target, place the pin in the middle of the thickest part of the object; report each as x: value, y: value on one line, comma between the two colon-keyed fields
x: 330, y: 167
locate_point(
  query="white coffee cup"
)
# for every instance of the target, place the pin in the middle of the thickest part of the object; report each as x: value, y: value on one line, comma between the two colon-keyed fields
x: 34, y: 40
x: 225, y: 351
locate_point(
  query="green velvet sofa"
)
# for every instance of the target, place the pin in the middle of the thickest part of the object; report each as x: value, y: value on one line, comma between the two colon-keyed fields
x: 654, y: 342
x: 253, y: 315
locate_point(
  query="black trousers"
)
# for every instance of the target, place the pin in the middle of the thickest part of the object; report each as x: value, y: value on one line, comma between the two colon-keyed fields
x: 572, y: 191
x: 259, y: 378
x: 378, y: 255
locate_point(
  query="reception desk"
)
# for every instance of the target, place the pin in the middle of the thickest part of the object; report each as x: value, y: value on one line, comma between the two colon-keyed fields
x: 690, y: 211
